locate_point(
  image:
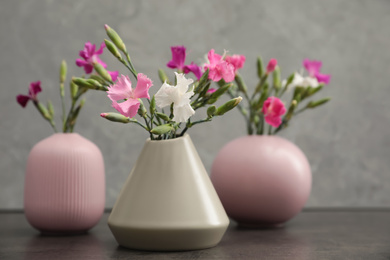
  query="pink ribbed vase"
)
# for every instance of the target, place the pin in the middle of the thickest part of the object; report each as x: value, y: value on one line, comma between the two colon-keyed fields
x: 65, y: 184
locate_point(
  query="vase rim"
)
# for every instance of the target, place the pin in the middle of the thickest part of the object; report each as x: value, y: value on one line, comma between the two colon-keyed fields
x: 168, y: 140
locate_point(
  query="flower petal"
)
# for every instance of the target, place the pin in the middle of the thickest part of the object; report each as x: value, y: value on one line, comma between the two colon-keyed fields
x: 164, y: 96
x: 182, y: 113
x: 113, y: 74
x: 81, y: 63
x: 323, y: 78
x: 274, y: 121
x: 197, y: 70
x: 313, y: 67
x: 182, y: 83
x: 143, y: 85
x: 236, y: 60
x: 22, y: 100
x: 128, y: 108
x: 121, y: 90
x: 273, y: 109
x: 100, y: 51
x: 34, y: 89
x: 213, y: 57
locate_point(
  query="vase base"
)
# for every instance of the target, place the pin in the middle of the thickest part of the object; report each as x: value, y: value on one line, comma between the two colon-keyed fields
x: 175, y: 239
x: 260, y: 225
x: 63, y: 232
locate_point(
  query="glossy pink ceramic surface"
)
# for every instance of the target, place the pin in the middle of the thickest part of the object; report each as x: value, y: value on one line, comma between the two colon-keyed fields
x: 64, y: 185
x: 261, y: 180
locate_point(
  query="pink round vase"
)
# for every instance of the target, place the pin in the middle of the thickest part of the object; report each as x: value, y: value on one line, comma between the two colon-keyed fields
x: 65, y: 184
x: 261, y: 180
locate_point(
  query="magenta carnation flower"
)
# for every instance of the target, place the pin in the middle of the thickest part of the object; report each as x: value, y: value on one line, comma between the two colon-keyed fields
x: 178, y: 60
x: 313, y: 68
x: 91, y: 56
x: 273, y: 109
x: 33, y: 90
x: 122, y: 90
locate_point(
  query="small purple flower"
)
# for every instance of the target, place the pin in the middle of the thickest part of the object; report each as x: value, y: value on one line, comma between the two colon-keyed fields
x: 178, y: 60
x: 313, y: 68
x: 33, y: 90
x: 91, y: 56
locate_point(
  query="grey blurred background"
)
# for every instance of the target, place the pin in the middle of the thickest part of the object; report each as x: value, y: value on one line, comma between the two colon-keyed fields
x: 347, y: 141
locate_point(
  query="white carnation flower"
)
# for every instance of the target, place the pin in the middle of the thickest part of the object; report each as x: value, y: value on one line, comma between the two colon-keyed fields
x: 179, y: 96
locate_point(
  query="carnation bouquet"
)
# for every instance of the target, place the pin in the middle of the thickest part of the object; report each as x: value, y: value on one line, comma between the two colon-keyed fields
x: 180, y: 100
x: 167, y: 114
x: 264, y: 105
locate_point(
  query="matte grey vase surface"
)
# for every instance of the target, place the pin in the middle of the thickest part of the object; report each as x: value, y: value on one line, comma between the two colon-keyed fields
x: 168, y: 202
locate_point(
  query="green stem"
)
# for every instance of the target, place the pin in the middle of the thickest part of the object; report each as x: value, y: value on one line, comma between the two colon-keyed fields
x: 63, y: 105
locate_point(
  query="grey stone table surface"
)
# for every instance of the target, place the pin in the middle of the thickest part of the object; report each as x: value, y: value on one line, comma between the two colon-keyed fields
x: 313, y: 234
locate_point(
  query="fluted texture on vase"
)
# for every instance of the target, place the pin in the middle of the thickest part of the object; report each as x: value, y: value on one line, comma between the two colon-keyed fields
x: 64, y: 184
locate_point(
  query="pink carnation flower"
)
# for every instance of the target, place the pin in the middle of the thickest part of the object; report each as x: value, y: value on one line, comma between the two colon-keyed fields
x: 273, y: 109
x: 271, y: 65
x: 122, y: 90
x: 313, y: 68
x: 219, y: 68
x: 33, y: 90
x: 91, y: 56
x: 237, y: 61
x: 178, y: 60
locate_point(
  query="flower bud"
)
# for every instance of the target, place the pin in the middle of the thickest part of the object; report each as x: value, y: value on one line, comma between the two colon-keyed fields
x: 63, y: 70
x: 142, y: 110
x: 313, y: 104
x: 73, y: 89
x: 50, y: 108
x: 152, y: 106
x: 163, y: 116
x: 228, y: 106
x: 276, y: 78
x: 163, y: 76
x: 113, y: 49
x: 271, y: 66
x: 102, y: 72
x: 116, y: 117
x: 162, y: 129
x: 42, y: 109
x: 97, y: 78
x: 81, y: 82
x: 94, y: 84
x: 260, y: 67
x: 240, y: 83
x: 211, y: 111
x: 113, y: 35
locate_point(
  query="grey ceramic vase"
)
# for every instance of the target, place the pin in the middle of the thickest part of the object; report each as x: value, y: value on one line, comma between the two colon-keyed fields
x: 168, y: 202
